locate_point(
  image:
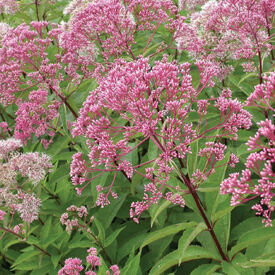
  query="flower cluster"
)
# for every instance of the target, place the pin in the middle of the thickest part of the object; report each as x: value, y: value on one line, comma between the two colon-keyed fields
x: 77, y: 213
x: 228, y: 30
x: 30, y: 166
x: 153, y: 104
x: 73, y: 265
x: 260, y: 163
x: 35, y: 116
x: 264, y: 94
x: 8, y: 6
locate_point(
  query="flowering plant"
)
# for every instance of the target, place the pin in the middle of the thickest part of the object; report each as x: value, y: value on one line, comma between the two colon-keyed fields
x: 138, y: 132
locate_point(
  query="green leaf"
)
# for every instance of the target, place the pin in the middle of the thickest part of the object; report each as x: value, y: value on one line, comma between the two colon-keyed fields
x: 169, y: 230
x: 251, y: 238
x: 46, y: 228
x: 26, y: 256
x: 63, y: 116
x: 229, y: 269
x: 245, y: 226
x: 79, y: 244
x: 57, y: 146
x: 63, y: 171
x: 187, y: 237
x: 263, y: 261
x: 55, y: 255
x: 132, y: 266
x: 64, y: 156
x: 205, y: 269
x: 235, y: 83
x: 107, y: 214
x: 246, y: 76
x: 10, y: 243
x: 192, y: 158
x: 158, y: 210
x: 192, y: 253
x: 113, y: 236
x: 100, y: 228
x: 132, y: 244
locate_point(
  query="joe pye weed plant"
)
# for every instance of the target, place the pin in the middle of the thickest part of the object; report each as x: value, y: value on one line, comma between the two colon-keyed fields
x: 137, y: 137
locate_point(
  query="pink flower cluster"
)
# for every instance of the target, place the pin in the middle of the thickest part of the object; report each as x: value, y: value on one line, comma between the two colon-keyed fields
x: 261, y: 162
x: 152, y: 103
x: 35, y: 116
x: 73, y: 265
x: 264, y: 94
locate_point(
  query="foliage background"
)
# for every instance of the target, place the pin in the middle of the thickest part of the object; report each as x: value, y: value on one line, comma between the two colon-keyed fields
x: 168, y: 239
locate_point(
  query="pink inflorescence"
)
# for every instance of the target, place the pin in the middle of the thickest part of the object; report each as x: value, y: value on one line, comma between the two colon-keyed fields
x: 264, y: 94
x: 73, y: 266
x: 227, y: 30
x: 152, y: 103
x: 260, y: 162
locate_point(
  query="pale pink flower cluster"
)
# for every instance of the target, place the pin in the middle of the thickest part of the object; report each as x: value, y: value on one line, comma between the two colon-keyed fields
x: 190, y: 5
x: 227, y: 30
x: 109, y: 25
x: 77, y: 213
x: 260, y: 162
x: 9, y: 145
x: 32, y: 167
x: 28, y: 207
x: 213, y: 151
x: 8, y: 6
x: 73, y: 265
x: 4, y: 28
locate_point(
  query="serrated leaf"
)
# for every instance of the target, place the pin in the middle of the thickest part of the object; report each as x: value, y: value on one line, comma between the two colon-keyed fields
x: 166, y: 231
x: 113, y: 236
x: 205, y: 269
x: 64, y: 156
x: 63, y: 116
x: 100, y: 228
x: 57, y: 146
x: 228, y: 268
x: 158, y: 210
x: 25, y: 256
x: 246, y: 76
x: 192, y: 253
x: 79, y: 244
x: 46, y: 228
x: 187, y: 237
x: 60, y: 173
x: 251, y: 238
x: 192, y: 158
x: 132, y: 266
x: 107, y: 214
